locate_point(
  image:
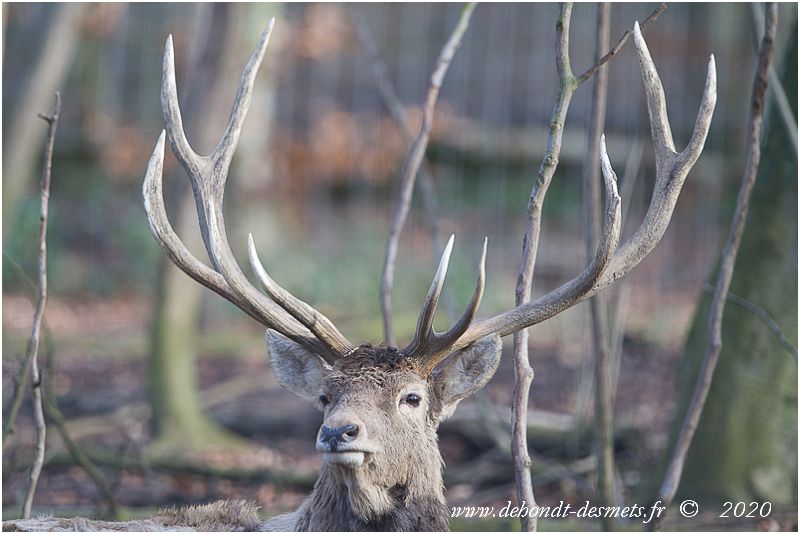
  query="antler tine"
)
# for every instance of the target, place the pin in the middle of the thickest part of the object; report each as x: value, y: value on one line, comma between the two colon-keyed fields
x: 223, y: 153
x: 428, y: 312
x: 429, y: 346
x: 702, y: 124
x: 300, y: 310
x: 448, y: 338
x: 656, y: 101
x: 672, y: 168
x: 189, y: 159
x: 208, y: 175
x: 171, y: 244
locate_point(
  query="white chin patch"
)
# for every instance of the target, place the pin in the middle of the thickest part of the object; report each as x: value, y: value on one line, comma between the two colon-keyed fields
x: 347, y: 459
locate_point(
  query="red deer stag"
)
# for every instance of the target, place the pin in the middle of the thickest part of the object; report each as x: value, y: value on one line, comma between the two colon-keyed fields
x: 381, y: 405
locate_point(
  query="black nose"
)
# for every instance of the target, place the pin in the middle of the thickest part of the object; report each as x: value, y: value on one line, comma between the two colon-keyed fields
x: 334, y: 436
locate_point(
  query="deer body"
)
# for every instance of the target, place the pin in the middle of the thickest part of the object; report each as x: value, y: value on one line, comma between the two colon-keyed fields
x: 381, y: 405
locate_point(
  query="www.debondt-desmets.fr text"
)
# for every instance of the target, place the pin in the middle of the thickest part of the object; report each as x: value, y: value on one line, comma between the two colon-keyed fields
x: 646, y: 514
x: 562, y: 510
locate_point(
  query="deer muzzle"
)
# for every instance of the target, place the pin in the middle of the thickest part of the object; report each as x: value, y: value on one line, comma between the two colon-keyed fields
x: 343, y: 444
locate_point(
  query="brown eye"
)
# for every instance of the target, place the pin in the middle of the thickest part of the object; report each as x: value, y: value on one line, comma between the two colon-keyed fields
x: 412, y: 399
x: 323, y: 400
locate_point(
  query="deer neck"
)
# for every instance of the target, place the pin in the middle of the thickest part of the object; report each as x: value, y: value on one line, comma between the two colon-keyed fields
x: 349, y: 500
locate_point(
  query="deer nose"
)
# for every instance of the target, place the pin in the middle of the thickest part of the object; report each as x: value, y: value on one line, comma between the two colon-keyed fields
x: 333, y: 436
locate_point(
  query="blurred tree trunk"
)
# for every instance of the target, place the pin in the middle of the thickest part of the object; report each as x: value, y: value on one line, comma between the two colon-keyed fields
x: 218, y: 55
x: 745, y: 447
x: 25, y: 135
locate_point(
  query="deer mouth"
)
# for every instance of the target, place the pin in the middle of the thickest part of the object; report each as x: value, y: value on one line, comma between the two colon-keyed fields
x: 352, y: 459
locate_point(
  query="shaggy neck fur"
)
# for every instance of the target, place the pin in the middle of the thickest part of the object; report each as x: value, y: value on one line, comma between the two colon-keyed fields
x: 349, y: 501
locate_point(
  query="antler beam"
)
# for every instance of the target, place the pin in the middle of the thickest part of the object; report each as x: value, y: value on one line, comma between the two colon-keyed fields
x: 208, y: 174
x: 672, y: 168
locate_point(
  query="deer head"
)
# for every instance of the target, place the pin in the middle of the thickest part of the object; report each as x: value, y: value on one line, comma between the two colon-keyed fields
x: 382, y: 405
x: 381, y: 410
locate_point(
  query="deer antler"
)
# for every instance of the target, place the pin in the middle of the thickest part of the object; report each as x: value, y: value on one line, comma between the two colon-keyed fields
x: 429, y: 346
x: 287, y: 314
x: 671, y: 170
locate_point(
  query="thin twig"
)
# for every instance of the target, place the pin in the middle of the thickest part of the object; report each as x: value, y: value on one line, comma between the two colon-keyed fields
x: 619, y: 297
x: 620, y: 44
x: 32, y: 351
x: 523, y: 371
x: 396, y: 109
x: 17, y: 397
x: 19, y: 383
x: 381, y: 77
x: 616, y: 299
x: 416, y: 153
x: 80, y: 457
x: 753, y: 155
x: 762, y: 314
x: 603, y: 405
x: 55, y: 415
x: 52, y: 409
x: 775, y: 85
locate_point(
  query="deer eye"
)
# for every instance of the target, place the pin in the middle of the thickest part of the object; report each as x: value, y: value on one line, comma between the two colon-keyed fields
x: 323, y: 400
x: 412, y: 399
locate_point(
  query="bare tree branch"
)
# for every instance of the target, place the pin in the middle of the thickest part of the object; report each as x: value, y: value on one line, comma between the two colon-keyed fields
x: 16, y: 397
x: 762, y: 314
x: 50, y: 402
x: 32, y: 351
x: 599, y: 62
x: 617, y: 304
x: 523, y: 371
x: 392, y: 102
x: 77, y: 453
x: 53, y: 412
x: 753, y: 155
x: 591, y: 279
x: 19, y: 383
x: 413, y: 161
x: 775, y: 85
x: 619, y: 299
x: 603, y: 405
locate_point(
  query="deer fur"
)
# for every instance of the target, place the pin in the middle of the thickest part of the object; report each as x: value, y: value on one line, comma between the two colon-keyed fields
x: 221, y: 516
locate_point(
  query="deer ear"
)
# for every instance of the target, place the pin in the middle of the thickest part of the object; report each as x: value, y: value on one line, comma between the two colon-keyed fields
x: 464, y: 373
x: 296, y: 369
